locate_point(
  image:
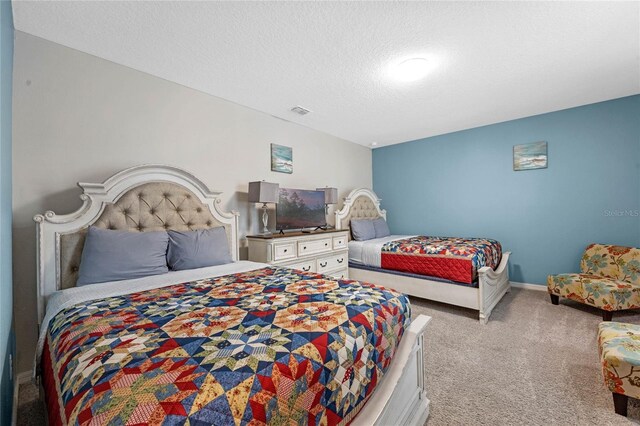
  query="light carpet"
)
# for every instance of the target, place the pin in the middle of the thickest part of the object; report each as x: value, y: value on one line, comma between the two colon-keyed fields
x: 533, y: 363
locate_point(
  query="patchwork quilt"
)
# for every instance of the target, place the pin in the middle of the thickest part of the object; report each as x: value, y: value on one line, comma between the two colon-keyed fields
x: 268, y: 346
x: 449, y: 258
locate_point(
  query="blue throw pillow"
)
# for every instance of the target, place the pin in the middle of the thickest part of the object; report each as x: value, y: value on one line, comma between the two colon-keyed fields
x: 381, y: 228
x: 110, y: 255
x: 198, y: 249
x: 362, y: 229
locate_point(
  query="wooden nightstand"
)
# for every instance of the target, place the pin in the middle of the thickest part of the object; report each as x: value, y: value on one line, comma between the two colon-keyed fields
x: 324, y: 252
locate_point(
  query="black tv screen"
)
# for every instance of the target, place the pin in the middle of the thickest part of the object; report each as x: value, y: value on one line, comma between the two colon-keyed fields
x: 299, y: 208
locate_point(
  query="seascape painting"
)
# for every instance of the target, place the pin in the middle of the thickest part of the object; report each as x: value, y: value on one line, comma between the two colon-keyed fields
x: 530, y: 156
x: 281, y: 158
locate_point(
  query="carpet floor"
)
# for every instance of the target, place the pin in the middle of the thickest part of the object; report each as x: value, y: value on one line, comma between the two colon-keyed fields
x: 533, y: 363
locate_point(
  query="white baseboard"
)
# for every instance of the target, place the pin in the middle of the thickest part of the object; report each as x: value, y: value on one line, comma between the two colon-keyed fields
x: 528, y: 286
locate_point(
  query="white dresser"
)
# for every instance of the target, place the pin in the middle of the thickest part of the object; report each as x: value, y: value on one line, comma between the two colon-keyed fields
x: 325, y: 252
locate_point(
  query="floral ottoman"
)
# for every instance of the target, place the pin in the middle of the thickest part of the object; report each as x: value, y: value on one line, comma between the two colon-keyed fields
x: 609, y: 280
x: 619, y: 346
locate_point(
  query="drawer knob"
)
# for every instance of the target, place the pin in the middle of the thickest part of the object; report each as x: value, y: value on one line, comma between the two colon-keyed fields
x: 285, y: 250
x: 304, y: 248
x: 323, y: 264
x: 307, y: 269
x: 326, y: 244
x: 341, y: 260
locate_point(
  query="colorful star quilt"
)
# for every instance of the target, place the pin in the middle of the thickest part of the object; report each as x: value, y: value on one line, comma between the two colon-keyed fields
x: 269, y: 346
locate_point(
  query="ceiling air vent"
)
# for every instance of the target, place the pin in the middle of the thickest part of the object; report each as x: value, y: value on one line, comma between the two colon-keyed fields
x: 300, y: 110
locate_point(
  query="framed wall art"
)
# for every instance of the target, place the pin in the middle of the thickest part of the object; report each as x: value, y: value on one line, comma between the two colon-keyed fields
x: 530, y: 156
x: 281, y: 158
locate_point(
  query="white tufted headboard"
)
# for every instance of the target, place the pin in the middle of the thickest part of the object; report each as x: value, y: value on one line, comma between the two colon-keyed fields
x: 359, y: 204
x: 140, y: 199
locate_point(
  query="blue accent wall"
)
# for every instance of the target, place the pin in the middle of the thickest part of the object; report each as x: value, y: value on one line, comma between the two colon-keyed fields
x: 7, y: 337
x: 463, y: 184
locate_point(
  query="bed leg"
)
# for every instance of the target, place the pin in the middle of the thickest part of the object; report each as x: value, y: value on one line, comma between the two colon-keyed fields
x: 492, y: 286
x: 620, y: 404
x: 555, y: 299
x: 607, y: 316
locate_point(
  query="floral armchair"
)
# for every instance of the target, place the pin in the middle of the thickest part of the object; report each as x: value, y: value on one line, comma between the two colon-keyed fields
x: 609, y: 280
x: 619, y: 348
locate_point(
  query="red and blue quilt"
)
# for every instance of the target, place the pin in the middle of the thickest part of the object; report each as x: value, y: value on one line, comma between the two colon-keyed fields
x: 268, y: 346
x: 449, y: 258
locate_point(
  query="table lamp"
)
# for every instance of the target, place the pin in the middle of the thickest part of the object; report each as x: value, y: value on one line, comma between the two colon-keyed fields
x: 330, y: 197
x: 263, y: 192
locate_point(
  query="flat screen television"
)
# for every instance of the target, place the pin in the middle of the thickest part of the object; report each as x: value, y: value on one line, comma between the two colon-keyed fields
x: 299, y: 209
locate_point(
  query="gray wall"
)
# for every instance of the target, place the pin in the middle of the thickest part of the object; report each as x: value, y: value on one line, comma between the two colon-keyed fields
x: 81, y: 118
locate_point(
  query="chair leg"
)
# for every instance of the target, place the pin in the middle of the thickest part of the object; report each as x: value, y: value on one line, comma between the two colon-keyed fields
x: 555, y: 299
x: 607, y: 315
x: 620, y: 404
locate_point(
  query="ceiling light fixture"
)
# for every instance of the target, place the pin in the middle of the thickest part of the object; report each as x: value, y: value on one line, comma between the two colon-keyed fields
x: 411, y: 69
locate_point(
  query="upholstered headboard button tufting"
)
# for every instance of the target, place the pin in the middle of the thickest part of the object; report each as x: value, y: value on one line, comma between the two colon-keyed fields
x: 359, y: 204
x: 143, y: 198
x: 154, y: 206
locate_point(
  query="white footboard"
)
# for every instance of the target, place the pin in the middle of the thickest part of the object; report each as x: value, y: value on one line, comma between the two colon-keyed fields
x: 492, y: 285
x: 400, y: 398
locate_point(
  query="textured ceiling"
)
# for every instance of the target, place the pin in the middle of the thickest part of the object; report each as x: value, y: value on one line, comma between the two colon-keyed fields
x: 495, y: 61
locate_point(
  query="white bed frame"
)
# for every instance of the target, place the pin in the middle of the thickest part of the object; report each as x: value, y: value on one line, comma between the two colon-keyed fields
x: 400, y: 397
x: 492, y: 285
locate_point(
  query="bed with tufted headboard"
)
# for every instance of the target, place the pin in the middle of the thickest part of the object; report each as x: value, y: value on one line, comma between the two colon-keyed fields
x: 140, y: 199
x: 184, y: 341
x: 459, y: 281
x: 359, y: 204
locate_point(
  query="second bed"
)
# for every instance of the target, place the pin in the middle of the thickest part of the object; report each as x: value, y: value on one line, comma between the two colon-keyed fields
x: 468, y: 272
